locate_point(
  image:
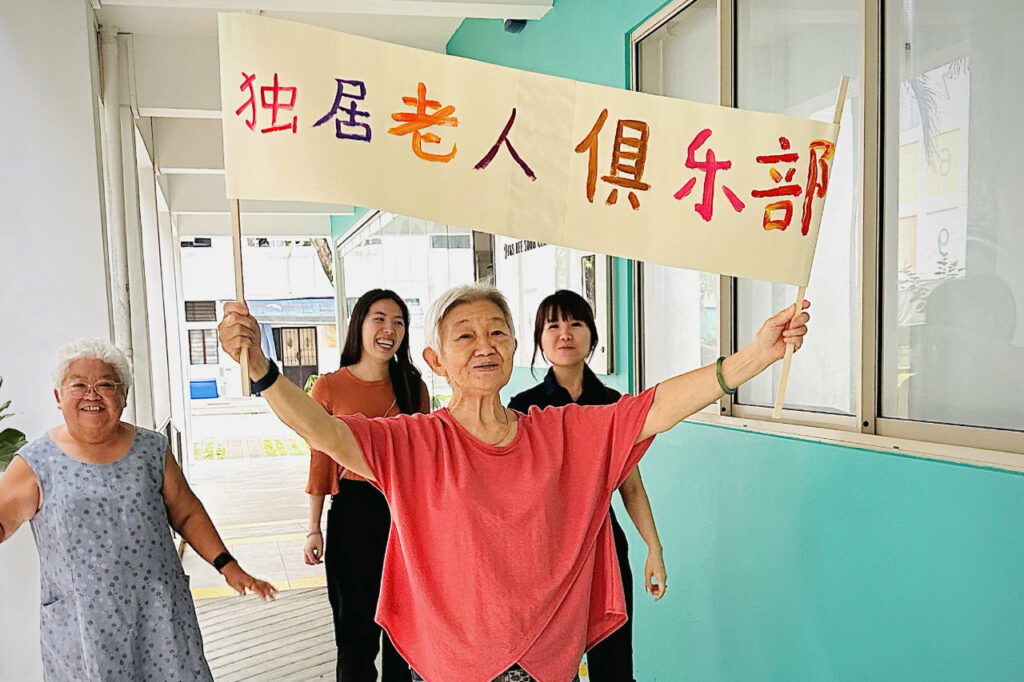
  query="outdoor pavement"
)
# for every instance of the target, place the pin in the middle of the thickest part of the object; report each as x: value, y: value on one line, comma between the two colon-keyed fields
x: 254, y: 491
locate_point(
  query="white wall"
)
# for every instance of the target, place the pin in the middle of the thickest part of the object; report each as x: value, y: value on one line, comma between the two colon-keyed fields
x: 53, y: 285
x: 270, y: 272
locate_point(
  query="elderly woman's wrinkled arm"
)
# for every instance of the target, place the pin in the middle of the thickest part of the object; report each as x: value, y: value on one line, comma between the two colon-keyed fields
x: 239, y: 331
x: 19, y: 497
x: 188, y: 517
x: 679, y: 397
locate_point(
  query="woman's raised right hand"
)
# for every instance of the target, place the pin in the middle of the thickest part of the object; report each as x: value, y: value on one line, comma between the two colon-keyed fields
x: 239, y: 331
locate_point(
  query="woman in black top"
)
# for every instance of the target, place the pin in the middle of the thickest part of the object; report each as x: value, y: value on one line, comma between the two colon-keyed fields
x: 565, y: 333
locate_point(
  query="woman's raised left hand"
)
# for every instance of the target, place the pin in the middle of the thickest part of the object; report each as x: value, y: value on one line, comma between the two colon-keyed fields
x: 241, y: 581
x: 783, y: 328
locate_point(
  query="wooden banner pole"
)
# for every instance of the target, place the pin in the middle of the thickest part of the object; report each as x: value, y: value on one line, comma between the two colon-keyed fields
x: 236, y: 243
x: 787, y: 361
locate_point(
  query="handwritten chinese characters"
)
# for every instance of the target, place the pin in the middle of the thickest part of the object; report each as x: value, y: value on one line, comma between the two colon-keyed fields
x: 415, y: 123
x: 817, y: 183
x: 351, y: 110
x: 630, y: 146
x: 710, y: 167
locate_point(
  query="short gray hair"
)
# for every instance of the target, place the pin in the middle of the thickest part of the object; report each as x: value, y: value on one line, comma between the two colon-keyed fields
x: 457, y: 295
x: 89, y: 348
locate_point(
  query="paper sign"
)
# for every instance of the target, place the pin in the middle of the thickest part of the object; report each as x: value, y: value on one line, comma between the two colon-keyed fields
x: 316, y: 115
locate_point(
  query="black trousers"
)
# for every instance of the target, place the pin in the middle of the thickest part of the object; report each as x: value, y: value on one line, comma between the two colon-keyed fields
x: 611, y: 659
x: 357, y: 535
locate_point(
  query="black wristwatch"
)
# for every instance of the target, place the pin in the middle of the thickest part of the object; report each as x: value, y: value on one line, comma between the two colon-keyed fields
x: 222, y: 560
x: 268, y: 379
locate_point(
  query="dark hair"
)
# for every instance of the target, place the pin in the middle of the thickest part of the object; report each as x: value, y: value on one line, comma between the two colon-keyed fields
x: 562, y: 304
x: 405, y: 378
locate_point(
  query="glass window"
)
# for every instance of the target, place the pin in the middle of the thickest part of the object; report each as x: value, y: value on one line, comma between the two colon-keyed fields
x: 202, y: 347
x: 528, y: 271
x: 680, y: 307
x: 790, y: 62
x: 952, y: 282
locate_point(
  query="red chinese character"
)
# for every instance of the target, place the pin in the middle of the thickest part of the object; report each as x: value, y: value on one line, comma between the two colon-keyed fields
x: 415, y: 122
x: 710, y: 166
x: 793, y: 190
x: 251, y: 102
x: 276, y: 105
x: 503, y: 139
x: 627, y: 148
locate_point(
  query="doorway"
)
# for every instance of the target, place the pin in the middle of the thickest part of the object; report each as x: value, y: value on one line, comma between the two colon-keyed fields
x: 297, y: 346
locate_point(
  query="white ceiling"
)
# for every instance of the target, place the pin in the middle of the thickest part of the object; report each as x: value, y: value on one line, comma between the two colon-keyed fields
x: 175, y: 88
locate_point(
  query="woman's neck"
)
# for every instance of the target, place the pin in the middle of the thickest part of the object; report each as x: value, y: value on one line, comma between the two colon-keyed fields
x: 483, y: 416
x: 94, y: 446
x: 570, y: 377
x: 368, y: 369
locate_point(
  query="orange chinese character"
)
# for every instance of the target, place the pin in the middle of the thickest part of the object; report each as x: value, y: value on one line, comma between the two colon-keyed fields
x: 816, y: 185
x: 627, y: 149
x: 415, y: 122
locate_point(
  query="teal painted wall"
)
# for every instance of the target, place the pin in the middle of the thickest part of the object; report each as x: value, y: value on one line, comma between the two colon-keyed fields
x: 341, y: 223
x: 791, y: 560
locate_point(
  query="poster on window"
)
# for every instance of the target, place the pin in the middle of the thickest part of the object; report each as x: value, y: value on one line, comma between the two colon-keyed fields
x: 316, y: 115
x: 527, y: 271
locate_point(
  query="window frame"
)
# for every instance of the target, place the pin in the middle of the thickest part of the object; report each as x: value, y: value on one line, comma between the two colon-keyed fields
x: 203, y: 331
x: 867, y: 429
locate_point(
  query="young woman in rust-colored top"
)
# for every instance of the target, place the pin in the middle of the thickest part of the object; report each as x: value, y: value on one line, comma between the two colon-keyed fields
x: 376, y: 379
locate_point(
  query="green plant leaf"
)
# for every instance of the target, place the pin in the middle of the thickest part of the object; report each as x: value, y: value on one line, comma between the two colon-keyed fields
x: 10, y: 441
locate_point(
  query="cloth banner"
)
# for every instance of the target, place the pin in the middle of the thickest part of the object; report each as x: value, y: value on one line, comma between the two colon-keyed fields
x: 311, y: 114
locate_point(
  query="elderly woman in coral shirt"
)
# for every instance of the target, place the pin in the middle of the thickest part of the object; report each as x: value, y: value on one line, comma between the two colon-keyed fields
x: 501, y: 563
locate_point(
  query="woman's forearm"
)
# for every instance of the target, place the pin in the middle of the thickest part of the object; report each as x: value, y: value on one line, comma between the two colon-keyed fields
x: 638, y: 506
x: 683, y: 395
x: 199, y: 532
x: 316, y: 512
x: 309, y: 420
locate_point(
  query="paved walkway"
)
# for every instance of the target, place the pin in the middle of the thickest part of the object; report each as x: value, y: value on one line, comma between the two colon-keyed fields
x: 255, y: 496
x: 261, y: 510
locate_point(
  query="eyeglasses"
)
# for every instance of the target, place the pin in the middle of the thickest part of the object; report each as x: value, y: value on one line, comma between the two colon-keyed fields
x: 104, y: 389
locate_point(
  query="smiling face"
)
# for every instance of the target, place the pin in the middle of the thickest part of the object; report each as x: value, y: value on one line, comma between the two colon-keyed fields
x: 565, y: 342
x: 383, y: 330
x: 92, y: 413
x: 476, y: 349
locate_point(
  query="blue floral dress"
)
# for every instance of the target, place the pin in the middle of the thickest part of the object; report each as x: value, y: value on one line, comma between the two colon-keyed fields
x: 115, y: 602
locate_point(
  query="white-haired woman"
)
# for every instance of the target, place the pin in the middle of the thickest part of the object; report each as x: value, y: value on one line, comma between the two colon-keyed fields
x: 100, y: 494
x: 501, y: 563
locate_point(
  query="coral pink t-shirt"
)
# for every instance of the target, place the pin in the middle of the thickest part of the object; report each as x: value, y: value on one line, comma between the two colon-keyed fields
x: 502, y: 555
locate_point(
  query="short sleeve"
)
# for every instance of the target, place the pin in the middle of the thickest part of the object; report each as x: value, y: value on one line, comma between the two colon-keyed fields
x: 321, y: 392
x: 618, y: 425
x: 323, y: 471
x: 323, y: 474
x: 379, y: 440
